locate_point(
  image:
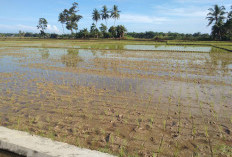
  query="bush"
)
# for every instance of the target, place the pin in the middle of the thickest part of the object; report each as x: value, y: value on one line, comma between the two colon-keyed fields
x: 54, y: 36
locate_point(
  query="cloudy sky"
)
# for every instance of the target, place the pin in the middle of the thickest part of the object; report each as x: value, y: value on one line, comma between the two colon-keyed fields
x: 183, y: 16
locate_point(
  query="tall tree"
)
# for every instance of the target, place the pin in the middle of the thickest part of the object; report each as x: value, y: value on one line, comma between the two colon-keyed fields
x: 105, y: 14
x: 216, y: 17
x: 115, y: 13
x: 96, y: 16
x: 42, y: 26
x: 62, y: 20
x: 227, y: 28
x: 94, y: 31
x: 230, y: 14
x: 70, y: 17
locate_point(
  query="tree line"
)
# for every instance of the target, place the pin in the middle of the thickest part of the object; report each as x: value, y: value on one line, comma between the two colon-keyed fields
x: 218, y: 18
x: 70, y: 18
x: 130, y: 35
x: 169, y: 36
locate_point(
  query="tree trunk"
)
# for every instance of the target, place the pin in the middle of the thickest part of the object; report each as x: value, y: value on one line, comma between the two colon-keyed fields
x: 220, y: 36
x: 63, y: 27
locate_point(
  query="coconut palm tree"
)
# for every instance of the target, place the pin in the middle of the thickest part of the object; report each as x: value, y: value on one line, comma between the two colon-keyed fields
x: 96, y: 16
x: 115, y: 13
x: 216, y: 16
x: 105, y: 14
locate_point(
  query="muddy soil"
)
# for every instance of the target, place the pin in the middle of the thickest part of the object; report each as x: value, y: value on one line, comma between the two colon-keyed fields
x: 124, y: 102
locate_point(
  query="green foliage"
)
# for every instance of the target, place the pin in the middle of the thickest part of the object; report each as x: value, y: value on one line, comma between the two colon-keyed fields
x: 62, y: 20
x: 70, y: 17
x: 121, y: 30
x: 54, y: 36
x: 221, y: 25
x: 103, y: 28
x: 42, y: 25
x: 21, y: 33
x: 169, y: 36
x: 84, y: 33
x: 104, y: 31
x: 96, y: 15
x: 115, y: 13
x: 113, y: 31
x: 94, y: 31
x: 105, y: 14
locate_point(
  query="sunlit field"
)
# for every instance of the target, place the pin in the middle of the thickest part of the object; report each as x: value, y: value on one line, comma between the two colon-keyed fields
x: 127, y: 98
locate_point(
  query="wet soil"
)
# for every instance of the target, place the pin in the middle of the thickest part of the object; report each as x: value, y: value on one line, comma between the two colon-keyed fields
x: 125, y: 102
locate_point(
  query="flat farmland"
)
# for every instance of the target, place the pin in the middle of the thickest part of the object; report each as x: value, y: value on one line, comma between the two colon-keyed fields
x: 127, y: 98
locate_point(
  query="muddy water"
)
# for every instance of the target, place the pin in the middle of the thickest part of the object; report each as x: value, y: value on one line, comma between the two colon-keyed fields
x: 208, y: 66
x: 63, y: 89
x: 168, y: 48
x: 149, y: 47
x: 122, y: 71
x: 135, y: 71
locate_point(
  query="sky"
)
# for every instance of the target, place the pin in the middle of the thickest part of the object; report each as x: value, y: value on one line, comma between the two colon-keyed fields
x: 182, y: 16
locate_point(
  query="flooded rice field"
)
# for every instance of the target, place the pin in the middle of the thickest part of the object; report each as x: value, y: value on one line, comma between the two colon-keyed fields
x: 130, y: 100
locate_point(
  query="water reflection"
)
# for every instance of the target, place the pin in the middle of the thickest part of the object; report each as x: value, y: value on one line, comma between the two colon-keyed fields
x: 148, y: 47
x: 221, y: 62
x: 167, y: 48
x: 44, y: 53
x: 207, y: 66
x: 108, y: 46
x: 72, y: 58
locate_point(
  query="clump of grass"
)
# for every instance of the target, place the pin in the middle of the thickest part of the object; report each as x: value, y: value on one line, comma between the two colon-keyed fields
x: 223, y: 150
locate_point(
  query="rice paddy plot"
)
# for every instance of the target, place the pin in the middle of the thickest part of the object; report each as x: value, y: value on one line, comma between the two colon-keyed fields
x: 131, y: 100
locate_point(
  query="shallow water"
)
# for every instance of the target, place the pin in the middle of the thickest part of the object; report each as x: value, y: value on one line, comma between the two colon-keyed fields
x: 59, y: 65
x: 121, y: 91
x: 149, y: 47
x: 218, y: 66
x: 168, y: 48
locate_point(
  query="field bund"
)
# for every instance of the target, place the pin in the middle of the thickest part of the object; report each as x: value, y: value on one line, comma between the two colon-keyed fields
x: 34, y: 146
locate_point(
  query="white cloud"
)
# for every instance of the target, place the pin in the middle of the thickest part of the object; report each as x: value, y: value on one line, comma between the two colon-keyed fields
x: 27, y: 28
x: 53, y: 29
